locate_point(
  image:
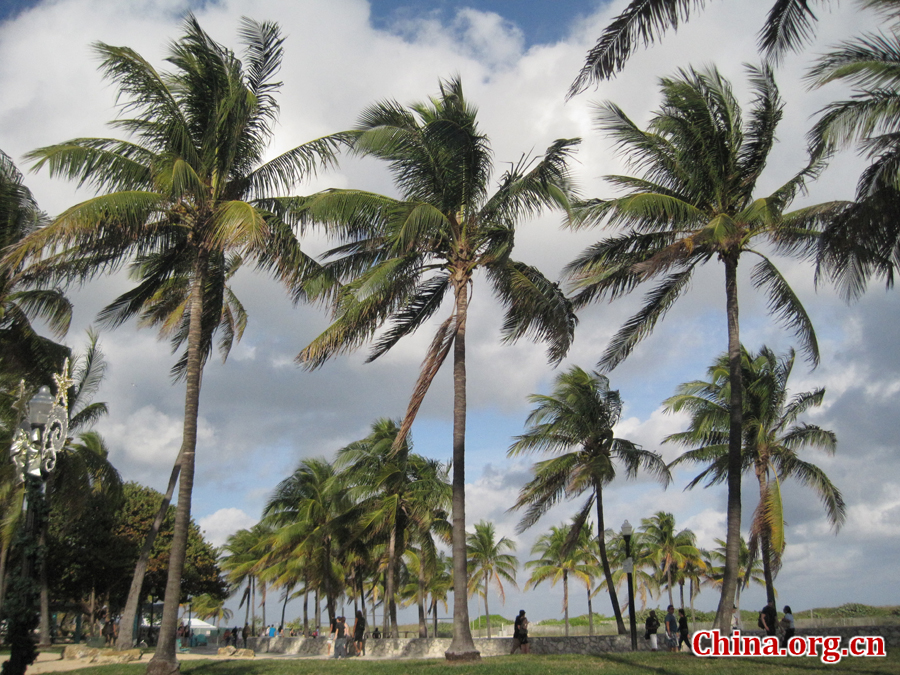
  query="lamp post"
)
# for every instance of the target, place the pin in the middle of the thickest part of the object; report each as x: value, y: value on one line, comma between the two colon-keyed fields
x: 41, y: 435
x: 627, y: 531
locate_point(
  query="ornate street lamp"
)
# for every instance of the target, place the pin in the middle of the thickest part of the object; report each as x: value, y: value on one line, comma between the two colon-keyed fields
x: 627, y: 531
x: 41, y: 435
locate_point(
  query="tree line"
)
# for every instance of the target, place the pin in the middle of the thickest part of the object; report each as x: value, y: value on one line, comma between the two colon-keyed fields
x: 186, y: 200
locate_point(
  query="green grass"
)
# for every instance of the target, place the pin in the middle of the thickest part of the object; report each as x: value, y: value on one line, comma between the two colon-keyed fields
x: 611, y: 664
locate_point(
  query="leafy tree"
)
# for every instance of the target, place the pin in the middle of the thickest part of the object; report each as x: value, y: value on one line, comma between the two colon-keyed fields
x: 398, y: 493
x: 488, y: 564
x: 24, y: 353
x: 575, y: 422
x: 789, y: 24
x: 750, y: 570
x: 694, y: 202
x: 242, y: 557
x: 861, y: 239
x: 405, y: 255
x: 557, y: 562
x: 185, y: 200
x: 772, y: 437
x: 670, y: 551
x: 307, y: 513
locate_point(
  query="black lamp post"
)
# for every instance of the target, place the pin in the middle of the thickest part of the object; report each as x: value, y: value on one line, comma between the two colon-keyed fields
x: 627, y: 531
x: 40, y: 436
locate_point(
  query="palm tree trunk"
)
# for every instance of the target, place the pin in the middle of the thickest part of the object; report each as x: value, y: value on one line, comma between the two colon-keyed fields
x: 253, y: 606
x: 423, y: 618
x: 284, y: 606
x: 566, y: 600
x: 733, y: 517
x: 390, y: 584
x: 262, y: 592
x: 765, y: 539
x: 590, y: 611
x: 693, y: 618
x: 126, y: 637
x: 461, y: 647
x: 164, y: 661
x: 487, y: 612
x: 305, y: 605
x: 681, y: 592
x: 604, y: 560
x: 4, y: 555
x: 434, y: 604
x: 669, y: 584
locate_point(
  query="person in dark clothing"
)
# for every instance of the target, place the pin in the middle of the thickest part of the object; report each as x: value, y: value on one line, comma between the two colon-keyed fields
x: 340, y: 638
x: 683, y: 630
x: 359, y: 632
x: 768, y: 619
x: 520, y: 634
x: 651, y: 625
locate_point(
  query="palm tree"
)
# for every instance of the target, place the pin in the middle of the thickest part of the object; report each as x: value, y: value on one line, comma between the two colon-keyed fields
x: 206, y: 607
x: 668, y: 550
x: 750, y: 570
x: 406, y: 254
x: 557, y: 562
x: 24, y: 353
x: 310, y: 512
x: 396, y: 491
x: 181, y: 200
x: 241, y: 561
x: 789, y: 24
x: 695, y: 203
x: 862, y: 238
x: 487, y: 564
x: 576, y: 422
x: 771, y: 440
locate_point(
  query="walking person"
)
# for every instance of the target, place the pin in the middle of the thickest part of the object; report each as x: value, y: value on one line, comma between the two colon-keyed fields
x: 520, y: 634
x: 340, y: 638
x: 651, y: 625
x: 332, y: 632
x: 671, y: 629
x: 683, y: 630
x: 359, y: 633
x: 768, y: 617
x: 787, y: 626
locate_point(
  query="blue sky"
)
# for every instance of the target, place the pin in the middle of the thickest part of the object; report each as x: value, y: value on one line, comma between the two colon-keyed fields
x: 261, y: 415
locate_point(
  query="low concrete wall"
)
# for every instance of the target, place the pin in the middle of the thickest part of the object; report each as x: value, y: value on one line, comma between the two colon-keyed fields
x: 428, y: 648
x: 433, y: 648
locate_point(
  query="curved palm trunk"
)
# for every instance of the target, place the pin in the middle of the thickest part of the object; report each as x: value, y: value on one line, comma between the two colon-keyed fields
x: 306, y: 604
x: 733, y: 518
x: 126, y: 637
x: 390, y: 584
x: 669, y: 584
x: 164, y: 661
x: 604, y: 560
x: 566, y: 599
x: 461, y: 647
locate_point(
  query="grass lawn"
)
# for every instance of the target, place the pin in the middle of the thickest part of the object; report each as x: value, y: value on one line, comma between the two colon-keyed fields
x: 612, y: 664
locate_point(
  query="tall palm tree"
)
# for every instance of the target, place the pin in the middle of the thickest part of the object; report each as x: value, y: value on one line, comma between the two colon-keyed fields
x: 406, y: 254
x: 24, y: 353
x: 772, y: 438
x: 789, y: 24
x: 575, y: 422
x: 669, y: 550
x: 181, y: 199
x: 557, y: 562
x: 396, y: 492
x: 861, y: 239
x: 700, y: 163
x: 488, y: 564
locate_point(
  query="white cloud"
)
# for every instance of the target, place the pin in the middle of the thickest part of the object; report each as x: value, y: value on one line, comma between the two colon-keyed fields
x: 218, y: 526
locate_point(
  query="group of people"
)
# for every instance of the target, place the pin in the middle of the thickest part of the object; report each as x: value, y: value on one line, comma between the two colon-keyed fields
x: 338, y: 636
x: 768, y: 621
x: 676, y: 629
x: 236, y: 636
